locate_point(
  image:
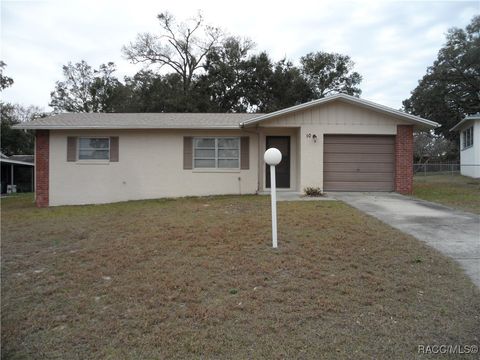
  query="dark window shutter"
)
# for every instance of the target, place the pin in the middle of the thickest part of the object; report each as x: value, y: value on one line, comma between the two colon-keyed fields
x: 71, y: 148
x: 245, y: 153
x: 114, y: 149
x: 187, y: 153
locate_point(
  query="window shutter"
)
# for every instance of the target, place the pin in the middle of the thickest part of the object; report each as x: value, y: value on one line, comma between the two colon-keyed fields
x: 187, y: 153
x: 71, y: 148
x: 114, y: 149
x: 245, y: 153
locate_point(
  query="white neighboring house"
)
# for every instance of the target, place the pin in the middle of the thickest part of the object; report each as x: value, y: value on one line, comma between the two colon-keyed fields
x: 469, y: 129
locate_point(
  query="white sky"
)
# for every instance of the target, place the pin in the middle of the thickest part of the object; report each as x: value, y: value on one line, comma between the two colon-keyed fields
x: 392, y: 43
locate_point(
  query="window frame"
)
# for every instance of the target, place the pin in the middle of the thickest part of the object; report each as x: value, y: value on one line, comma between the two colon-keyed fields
x: 467, y: 138
x: 216, y: 149
x: 93, y: 137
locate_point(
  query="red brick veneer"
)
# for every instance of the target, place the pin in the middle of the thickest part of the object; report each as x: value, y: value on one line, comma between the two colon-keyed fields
x: 404, y: 159
x: 42, y: 153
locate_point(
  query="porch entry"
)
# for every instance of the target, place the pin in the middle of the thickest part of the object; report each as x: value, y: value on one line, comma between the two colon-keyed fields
x: 282, y: 143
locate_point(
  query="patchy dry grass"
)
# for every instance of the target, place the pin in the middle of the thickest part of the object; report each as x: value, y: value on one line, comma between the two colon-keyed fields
x: 457, y: 191
x: 196, y: 278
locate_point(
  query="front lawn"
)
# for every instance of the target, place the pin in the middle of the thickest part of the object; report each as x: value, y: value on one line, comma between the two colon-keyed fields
x: 197, y: 278
x: 457, y: 191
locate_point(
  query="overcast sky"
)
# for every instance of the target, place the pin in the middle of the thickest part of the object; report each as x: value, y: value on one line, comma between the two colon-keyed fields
x: 391, y: 43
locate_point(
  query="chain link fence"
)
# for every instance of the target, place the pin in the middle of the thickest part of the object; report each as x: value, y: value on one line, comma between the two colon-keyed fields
x: 441, y: 168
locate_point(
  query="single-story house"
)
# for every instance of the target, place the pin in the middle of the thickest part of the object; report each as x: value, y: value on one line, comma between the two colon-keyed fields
x: 337, y: 143
x: 17, y: 173
x: 469, y: 129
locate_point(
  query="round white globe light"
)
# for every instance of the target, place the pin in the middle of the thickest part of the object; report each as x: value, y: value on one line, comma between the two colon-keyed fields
x: 272, y: 156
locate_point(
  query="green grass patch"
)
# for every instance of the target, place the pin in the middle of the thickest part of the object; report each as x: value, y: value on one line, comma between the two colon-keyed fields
x: 457, y: 191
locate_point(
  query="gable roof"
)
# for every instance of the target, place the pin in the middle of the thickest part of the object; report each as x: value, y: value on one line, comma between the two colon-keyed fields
x: 416, y: 120
x: 139, y: 121
x: 199, y: 120
x: 467, y: 119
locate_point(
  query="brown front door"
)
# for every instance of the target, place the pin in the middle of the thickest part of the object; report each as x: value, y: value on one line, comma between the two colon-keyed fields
x: 282, y: 143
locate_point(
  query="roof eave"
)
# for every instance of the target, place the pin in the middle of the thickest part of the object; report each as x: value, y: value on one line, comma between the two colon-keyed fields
x: 462, y: 123
x: 8, y: 161
x: 127, y: 127
x: 458, y: 126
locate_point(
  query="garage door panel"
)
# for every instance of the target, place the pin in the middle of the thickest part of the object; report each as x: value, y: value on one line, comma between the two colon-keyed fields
x: 358, y: 186
x: 359, y: 163
x: 361, y: 139
x: 359, y: 148
x: 380, y: 167
x: 357, y: 176
x: 361, y: 158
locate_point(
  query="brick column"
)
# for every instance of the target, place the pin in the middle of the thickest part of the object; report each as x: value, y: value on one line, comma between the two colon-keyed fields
x: 404, y: 159
x: 42, y: 154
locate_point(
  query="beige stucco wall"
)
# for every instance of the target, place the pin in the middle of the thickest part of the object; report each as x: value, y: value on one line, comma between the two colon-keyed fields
x: 150, y: 166
x: 151, y: 161
x: 332, y: 118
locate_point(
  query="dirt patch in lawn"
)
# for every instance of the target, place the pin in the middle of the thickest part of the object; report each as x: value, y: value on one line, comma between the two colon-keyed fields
x: 457, y: 191
x: 197, y: 278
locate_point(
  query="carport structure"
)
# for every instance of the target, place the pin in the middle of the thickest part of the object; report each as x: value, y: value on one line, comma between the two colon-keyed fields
x: 17, y: 170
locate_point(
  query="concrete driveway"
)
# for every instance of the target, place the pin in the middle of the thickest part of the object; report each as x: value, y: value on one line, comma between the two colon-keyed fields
x: 454, y: 233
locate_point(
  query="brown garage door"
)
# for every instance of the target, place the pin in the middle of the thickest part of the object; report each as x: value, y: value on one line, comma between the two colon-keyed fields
x: 359, y: 163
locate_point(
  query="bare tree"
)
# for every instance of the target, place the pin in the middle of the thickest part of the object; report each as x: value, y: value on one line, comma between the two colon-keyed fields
x: 429, y: 146
x: 28, y: 113
x: 180, y: 46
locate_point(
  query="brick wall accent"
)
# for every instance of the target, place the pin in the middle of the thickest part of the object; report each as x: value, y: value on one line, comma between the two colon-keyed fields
x: 42, y: 154
x: 404, y: 159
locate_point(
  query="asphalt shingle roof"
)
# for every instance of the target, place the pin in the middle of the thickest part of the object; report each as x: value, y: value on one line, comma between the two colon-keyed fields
x: 139, y: 120
x: 200, y: 120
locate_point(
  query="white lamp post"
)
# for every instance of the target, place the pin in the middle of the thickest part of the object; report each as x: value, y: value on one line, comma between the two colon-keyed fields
x: 273, y: 157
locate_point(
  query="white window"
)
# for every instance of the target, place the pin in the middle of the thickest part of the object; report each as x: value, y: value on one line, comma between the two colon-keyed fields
x: 93, y: 148
x: 467, y: 137
x: 219, y: 152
